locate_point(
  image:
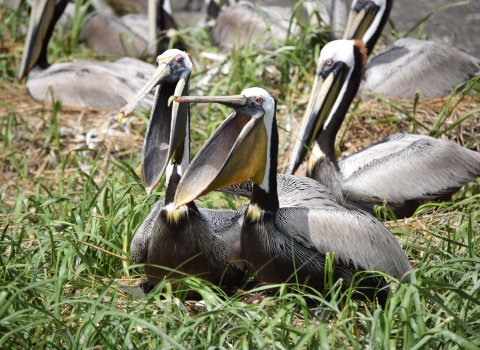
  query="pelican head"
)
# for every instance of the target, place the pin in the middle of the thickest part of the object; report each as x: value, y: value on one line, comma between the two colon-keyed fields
x: 366, y: 21
x: 227, y: 157
x: 174, y: 66
x: 43, y: 16
x: 167, y: 138
x: 336, y: 83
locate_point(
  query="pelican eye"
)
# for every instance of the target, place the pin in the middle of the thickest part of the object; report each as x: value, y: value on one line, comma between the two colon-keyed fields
x: 328, y: 63
x: 259, y: 100
x: 180, y: 60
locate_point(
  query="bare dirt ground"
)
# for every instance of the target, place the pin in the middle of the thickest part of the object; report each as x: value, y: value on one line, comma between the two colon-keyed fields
x: 458, y: 26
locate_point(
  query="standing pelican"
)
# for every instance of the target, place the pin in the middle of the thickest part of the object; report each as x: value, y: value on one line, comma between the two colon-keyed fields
x: 109, y: 35
x: 93, y: 84
x: 402, y: 170
x: 409, y: 65
x: 244, y: 22
x: 200, y: 242
x: 286, y: 244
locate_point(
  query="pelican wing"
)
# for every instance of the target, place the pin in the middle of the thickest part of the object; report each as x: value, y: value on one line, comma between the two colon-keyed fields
x: 226, y: 226
x: 385, y: 170
x: 93, y: 84
x: 109, y: 35
x: 293, y: 191
x: 139, y: 244
x: 354, y: 236
x: 244, y: 22
x: 411, y: 65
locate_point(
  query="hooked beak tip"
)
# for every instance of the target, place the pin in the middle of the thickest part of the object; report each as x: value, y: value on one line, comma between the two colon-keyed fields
x: 172, y: 99
x: 120, y: 117
x: 149, y: 190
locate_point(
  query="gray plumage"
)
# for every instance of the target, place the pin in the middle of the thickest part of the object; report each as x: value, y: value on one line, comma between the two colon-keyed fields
x: 288, y: 242
x: 193, y: 241
x: 402, y: 171
x: 243, y: 24
x: 264, y: 26
x: 112, y: 36
x: 214, y: 233
x: 355, y: 237
x: 412, y: 65
x: 92, y: 84
x: 310, y: 215
x: 292, y: 191
x: 405, y: 168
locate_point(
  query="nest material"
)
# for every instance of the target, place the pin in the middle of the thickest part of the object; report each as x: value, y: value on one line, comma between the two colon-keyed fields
x: 80, y: 129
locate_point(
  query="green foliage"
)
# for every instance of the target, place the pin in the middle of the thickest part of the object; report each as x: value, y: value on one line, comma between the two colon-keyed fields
x: 65, y: 236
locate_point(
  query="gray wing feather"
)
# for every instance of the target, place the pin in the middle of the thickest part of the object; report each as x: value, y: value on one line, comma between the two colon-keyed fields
x: 411, y: 65
x: 226, y: 226
x: 243, y: 23
x: 93, y: 84
x: 354, y: 236
x: 139, y: 244
x: 293, y: 191
x: 109, y: 35
x: 385, y: 170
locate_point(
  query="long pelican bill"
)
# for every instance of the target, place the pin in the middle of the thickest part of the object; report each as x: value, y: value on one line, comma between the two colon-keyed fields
x: 40, y: 19
x: 235, y: 101
x: 226, y: 159
x: 359, y: 20
x: 322, y: 99
x: 165, y: 139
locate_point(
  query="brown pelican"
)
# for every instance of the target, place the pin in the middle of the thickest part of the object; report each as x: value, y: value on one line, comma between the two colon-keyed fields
x: 200, y: 242
x: 94, y: 84
x: 286, y: 244
x: 410, y: 65
x: 129, y: 35
x: 263, y: 26
x: 402, y: 170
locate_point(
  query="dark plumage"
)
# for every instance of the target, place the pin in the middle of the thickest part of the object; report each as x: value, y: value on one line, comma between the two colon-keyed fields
x: 197, y: 242
x: 288, y: 243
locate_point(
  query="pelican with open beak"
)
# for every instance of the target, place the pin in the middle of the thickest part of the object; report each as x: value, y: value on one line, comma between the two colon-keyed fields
x: 171, y: 77
x: 287, y: 243
x: 409, y: 65
x: 92, y: 84
x: 404, y: 171
x: 192, y: 241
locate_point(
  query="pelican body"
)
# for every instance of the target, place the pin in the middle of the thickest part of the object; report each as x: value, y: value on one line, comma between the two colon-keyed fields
x: 287, y: 243
x: 263, y: 26
x: 401, y: 171
x: 192, y: 241
x: 109, y: 35
x: 409, y: 65
x: 92, y: 84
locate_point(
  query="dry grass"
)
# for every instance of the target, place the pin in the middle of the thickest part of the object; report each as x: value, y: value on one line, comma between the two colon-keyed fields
x: 98, y: 129
x: 80, y: 128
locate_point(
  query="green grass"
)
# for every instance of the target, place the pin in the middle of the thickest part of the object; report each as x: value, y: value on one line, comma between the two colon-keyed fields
x: 65, y: 233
